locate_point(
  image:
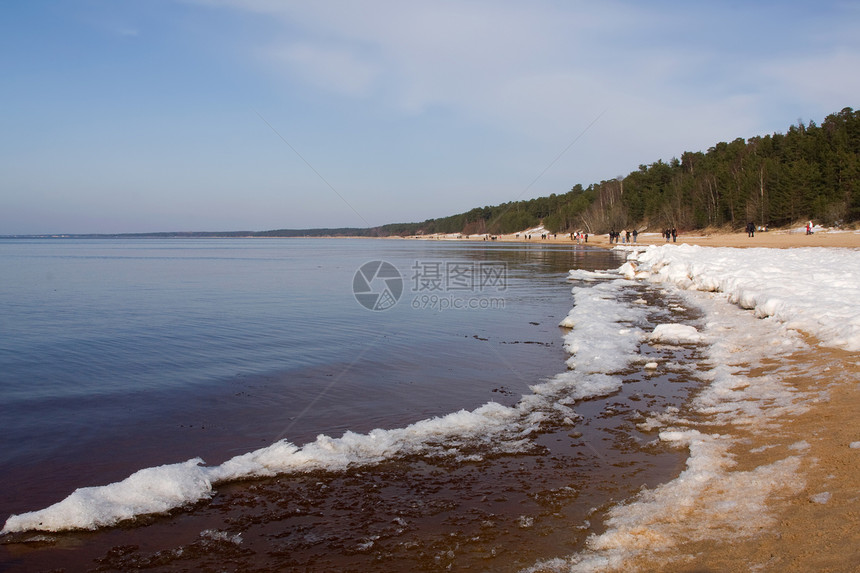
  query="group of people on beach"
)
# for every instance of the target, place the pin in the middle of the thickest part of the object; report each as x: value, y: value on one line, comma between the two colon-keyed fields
x: 751, y: 228
x: 624, y: 236
x: 544, y: 236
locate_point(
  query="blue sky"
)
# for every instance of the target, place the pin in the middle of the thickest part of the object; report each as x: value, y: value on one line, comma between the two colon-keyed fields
x: 164, y: 115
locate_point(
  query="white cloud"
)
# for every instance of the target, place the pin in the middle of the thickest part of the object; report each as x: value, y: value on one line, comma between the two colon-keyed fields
x: 531, y: 69
x: 671, y: 77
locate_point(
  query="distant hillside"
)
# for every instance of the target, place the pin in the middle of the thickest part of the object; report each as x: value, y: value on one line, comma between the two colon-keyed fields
x: 340, y: 232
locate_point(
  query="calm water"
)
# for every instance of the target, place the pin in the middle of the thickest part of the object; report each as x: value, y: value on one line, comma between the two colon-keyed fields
x: 116, y: 355
x: 119, y: 354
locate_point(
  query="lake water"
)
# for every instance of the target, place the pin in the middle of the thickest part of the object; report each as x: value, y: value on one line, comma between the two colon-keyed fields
x: 118, y: 355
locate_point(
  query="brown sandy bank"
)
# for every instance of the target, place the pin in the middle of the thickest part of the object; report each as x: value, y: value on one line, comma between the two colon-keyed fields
x: 783, y: 496
x: 816, y: 525
x: 770, y: 239
x: 779, y: 239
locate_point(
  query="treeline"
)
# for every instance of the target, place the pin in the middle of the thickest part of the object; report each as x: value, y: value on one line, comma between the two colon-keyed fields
x: 505, y: 218
x: 809, y: 172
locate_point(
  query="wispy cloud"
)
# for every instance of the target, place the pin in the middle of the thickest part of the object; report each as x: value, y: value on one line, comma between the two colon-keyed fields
x: 672, y: 76
x: 531, y: 68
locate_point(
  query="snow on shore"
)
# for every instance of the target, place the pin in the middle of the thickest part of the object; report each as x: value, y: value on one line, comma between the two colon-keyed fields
x: 813, y: 290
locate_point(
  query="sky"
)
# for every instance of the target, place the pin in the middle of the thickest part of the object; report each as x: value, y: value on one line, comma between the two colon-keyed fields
x: 218, y: 115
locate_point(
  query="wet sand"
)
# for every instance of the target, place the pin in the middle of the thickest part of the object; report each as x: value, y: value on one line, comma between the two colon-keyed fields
x: 816, y: 518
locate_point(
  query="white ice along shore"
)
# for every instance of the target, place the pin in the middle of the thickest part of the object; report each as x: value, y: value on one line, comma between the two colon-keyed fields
x: 816, y: 291
x: 606, y: 341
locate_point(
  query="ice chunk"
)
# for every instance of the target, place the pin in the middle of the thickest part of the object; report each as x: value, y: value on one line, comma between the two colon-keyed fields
x: 150, y: 490
x: 675, y: 334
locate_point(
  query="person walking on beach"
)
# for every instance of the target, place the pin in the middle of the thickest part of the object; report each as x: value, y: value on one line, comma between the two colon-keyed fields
x: 635, y: 235
x: 674, y: 235
x: 750, y: 229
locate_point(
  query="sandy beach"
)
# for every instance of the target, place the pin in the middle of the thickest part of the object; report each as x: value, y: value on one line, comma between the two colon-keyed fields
x: 812, y: 521
x: 817, y: 523
x: 777, y: 239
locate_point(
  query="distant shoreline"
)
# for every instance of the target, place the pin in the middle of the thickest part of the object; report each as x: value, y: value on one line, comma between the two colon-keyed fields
x: 783, y: 238
x: 188, y: 235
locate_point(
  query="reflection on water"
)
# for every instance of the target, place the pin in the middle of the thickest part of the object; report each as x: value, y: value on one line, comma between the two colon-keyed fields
x: 500, y: 513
